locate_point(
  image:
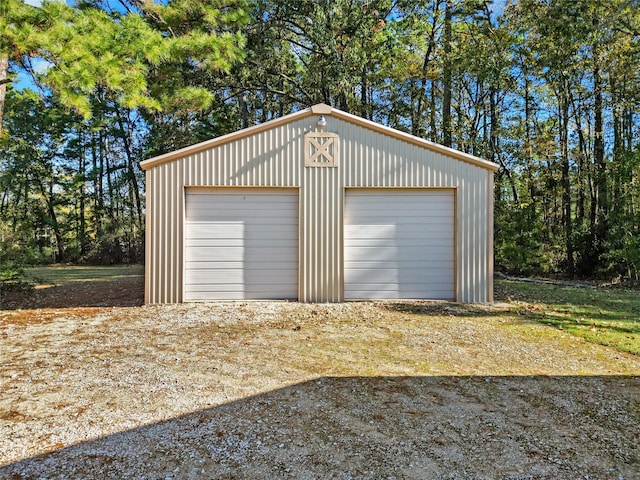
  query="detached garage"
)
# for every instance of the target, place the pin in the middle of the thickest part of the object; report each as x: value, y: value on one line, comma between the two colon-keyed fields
x: 318, y: 206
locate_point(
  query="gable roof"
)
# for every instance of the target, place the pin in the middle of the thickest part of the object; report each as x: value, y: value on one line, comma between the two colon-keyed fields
x: 319, y: 109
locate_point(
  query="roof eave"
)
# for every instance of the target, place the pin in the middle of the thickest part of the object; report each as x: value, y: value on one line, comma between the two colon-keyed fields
x: 412, y: 139
x: 245, y: 132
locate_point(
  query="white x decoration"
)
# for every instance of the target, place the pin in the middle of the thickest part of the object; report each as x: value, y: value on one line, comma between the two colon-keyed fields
x: 321, y: 149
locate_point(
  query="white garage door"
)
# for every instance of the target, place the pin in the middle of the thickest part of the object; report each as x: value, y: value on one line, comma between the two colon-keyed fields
x: 241, y: 245
x: 399, y: 244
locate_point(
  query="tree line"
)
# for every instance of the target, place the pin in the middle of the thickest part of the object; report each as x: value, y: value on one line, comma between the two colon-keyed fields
x: 547, y: 89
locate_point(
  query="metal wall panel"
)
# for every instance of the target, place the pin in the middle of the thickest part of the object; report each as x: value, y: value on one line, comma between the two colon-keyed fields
x: 377, y: 160
x: 274, y: 157
x: 321, y: 235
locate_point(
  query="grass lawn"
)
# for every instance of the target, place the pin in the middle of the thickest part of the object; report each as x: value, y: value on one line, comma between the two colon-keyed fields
x: 66, y: 274
x: 70, y: 286
x: 605, y: 316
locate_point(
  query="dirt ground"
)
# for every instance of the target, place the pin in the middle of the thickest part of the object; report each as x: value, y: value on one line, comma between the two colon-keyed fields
x: 288, y: 390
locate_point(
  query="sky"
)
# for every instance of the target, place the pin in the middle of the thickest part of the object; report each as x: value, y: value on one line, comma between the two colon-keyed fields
x: 22, y: 80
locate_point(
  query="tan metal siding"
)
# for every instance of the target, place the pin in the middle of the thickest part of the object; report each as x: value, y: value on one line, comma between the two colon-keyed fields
x: 274, y: 157
x: 321, y: 236
x: 377, y: 160
x: 270, y: 158
x: 490, y: 227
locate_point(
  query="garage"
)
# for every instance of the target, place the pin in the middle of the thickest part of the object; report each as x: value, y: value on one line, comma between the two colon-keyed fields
x: 399, y: 244
x: 241, y: 244
x: 319, y: 205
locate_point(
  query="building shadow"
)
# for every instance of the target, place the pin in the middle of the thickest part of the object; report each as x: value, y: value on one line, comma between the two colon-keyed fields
x: 380, y: 427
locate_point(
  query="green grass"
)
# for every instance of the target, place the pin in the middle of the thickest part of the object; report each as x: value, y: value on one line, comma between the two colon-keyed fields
x: 65, y: 274
x: 605, y: 316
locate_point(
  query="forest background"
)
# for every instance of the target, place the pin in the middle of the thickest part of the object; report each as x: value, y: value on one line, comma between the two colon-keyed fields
x: 547, y: 89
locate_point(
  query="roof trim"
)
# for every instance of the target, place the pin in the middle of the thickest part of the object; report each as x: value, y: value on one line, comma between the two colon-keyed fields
x: 214, y: 142
x: 320, y: 109
x: 412, y: 139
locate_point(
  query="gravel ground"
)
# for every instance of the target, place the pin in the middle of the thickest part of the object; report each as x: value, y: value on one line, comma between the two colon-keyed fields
x: 289, y: 390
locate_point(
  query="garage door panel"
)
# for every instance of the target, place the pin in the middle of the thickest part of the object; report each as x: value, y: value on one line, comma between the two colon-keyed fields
x: 388, y: 230
x: 244, y: 254
x: 389, y: 211
x: 238, y: 242
x: 248, y: 215
x: 231, y: 265
x: 265, y: 219
x: 216, y: 276
x: 426, y: 256
x: 267, y: 294
x: 232, y: 202
x: 371, y: 243
x: 403, y: 278
x: 233, y: 288
x: 388, y: 287
x: 400, y: 275
x: 193, y: 266
x: 399, y: 195
x: 414, y: 290
x: 399, y: 244
x: 231, y: 199
x: 241, y: 245
x: 214, y: 242
x: 386, y: 291
x: 204, y: 230
x: 377, y: 221
x: 446, y: 239
x: 391, y: 264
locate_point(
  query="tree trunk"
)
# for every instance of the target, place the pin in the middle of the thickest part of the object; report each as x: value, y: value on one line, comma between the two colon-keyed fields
x: 82, y: 174
x: 244, y: 111
x: 433, y: 136
x: 48, y: 196
x: 493, y: 144
x: 584, y: 180
x: 416, y: 124
x: 447, y: 76
x: 567, y: 221
x: 598, y: 149
x: 618, y: 148
x: 364, y: 100
x: 4, y: 69
x: 528, y: 143
x: 133, y: 181
x: 104, y: 142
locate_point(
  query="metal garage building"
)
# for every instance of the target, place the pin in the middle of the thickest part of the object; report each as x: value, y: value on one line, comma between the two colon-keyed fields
x: 318, y: 206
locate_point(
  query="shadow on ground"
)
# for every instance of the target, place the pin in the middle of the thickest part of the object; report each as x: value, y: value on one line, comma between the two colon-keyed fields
x: 125, y: 292
x: 380, y: 427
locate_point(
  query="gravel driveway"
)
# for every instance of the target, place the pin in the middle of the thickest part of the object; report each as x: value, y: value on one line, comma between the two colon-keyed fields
x: 289, y: 390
